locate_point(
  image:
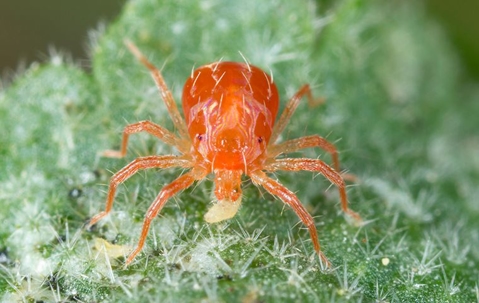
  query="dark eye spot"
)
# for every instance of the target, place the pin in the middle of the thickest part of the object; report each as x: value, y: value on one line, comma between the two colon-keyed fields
x: 260, y: 140
x: 199, y: 137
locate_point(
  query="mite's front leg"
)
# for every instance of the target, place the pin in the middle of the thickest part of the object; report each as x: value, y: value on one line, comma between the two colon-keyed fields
x: 167, y: 192
x: 131, y: 169
x: 288, y: 197
x: 292, y: 164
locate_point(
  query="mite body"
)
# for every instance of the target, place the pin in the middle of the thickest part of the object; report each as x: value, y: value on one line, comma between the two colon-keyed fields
x: 229, y: 130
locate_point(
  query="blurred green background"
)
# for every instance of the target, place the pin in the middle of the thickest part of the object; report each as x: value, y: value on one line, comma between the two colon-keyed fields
x: 29, y: 28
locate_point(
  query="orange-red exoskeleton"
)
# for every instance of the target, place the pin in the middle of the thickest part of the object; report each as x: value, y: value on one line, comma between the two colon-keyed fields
x: 229, y: 129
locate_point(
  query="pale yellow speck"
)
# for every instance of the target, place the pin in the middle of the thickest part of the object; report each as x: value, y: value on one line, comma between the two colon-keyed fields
x: 112, y: 250
x: 385, y: 261
x: 222, y: 210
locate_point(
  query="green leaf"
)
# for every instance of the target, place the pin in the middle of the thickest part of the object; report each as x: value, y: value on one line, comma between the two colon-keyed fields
x: 398, y: 108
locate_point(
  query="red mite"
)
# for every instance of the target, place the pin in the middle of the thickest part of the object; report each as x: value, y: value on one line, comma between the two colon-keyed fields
x: 229, y: 130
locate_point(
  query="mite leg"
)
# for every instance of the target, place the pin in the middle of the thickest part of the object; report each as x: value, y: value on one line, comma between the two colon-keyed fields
x: 289, y: 110
x: 288, y: 197
x: 131, y: 169
x: 318, y: 166
x: 153, y: 129
x: 167, y: 192
x: 166, y: 94
x: 305, y: 142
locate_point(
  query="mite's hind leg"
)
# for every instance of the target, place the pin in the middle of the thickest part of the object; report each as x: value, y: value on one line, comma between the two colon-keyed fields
x: 290, y: 109
x: 302, y: 143
x: 166, y: 94
x: 152, y: 128
x: 307, y: 142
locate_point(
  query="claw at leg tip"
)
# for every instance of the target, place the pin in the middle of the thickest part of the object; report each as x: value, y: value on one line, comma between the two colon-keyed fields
x: 324, y: 260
